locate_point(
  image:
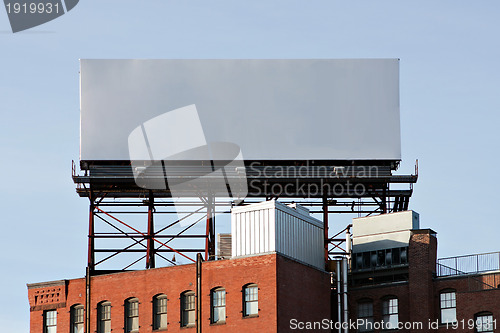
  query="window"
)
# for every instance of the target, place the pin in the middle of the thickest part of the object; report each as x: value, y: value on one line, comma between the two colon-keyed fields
x: 218, y: 311
x: 132, y: 315
x: 187, y: 308
x: 104, y: 317
x: 160, y: 312
x: 390, y: 312
x: 250, y: 300
x: 50, y: 321
x: 77, y: 318
x: 365, y: 313
x: 448, y: 306
x: 484, y: 322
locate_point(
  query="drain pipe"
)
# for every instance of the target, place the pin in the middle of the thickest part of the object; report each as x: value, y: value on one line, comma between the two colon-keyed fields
x: 88, y: 300
x: 339, y: 299
x: 199, y: 260
x: 345, y: 268
x: 344, y: 280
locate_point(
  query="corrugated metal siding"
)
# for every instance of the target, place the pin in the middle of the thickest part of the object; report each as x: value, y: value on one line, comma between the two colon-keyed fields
x: 271, y: 226
x: 252, y: 232
x: 299, y: 238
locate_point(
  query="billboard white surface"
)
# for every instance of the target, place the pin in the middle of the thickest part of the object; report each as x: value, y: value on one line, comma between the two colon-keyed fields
x: 272, y: 109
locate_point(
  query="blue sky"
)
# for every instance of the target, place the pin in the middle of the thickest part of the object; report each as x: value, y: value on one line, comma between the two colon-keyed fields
x: 449, y: 81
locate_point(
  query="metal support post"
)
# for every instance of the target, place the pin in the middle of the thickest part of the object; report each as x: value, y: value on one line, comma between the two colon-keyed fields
x: 91, y: 246
x: 150, y: 255
x: 384, y: 200
x: 199, y: 260
x: 344, y: 290
x: 87, y: 301
x: 325, y: 226
x: 210, y: 233
x: 339, y: 297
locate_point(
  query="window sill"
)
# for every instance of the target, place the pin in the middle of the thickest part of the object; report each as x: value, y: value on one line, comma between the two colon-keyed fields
x: 218, y: 323
x: 251, y: 316
x: 188, y: 326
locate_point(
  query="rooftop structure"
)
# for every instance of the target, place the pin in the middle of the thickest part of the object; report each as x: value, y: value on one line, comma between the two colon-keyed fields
x: 275, y: 292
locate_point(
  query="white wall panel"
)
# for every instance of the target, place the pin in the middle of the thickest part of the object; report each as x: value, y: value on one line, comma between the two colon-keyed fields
x: 273, y: 227
x: 383, y: 231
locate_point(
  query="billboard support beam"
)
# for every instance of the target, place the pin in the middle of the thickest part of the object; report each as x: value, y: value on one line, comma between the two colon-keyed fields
x: 150, y: 255
x: 325, y: 227
x: 91, y: 245
x: 210, y: 233
x: 112, y: 193
x: 384, y: 199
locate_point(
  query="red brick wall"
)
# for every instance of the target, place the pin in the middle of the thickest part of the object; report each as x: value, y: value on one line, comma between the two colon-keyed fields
x: 287, y: 289
x: 47, y: 296
x: 303, y: 294
x: 422, y: 266
x: 376, y: 294
x: 469, y: 299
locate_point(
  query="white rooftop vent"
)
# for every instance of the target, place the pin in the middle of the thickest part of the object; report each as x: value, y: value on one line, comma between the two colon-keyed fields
x: 274, y: 227
x: 383, y: 231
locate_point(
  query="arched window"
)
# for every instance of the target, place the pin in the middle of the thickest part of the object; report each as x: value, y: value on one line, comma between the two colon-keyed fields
x: 448, y: 306
x: 104, y: 317
x: 250, y: 300
x: 218, y: 308
x: 390, y: 314
x: 365, y: 313
x: 132, y: 315
x: 187, y: 308
x: 484, y: 322
x: 160, y: 311
x: 76, y: 312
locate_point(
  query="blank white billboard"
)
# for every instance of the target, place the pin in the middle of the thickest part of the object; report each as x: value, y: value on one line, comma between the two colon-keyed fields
x: 325, y: 109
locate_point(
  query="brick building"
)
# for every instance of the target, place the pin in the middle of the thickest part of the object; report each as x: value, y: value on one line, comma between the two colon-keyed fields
x: 424, y: 293
x: 394, y: 277
x: 251, y: 289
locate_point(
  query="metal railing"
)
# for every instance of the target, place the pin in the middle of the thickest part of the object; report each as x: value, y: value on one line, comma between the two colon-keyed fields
x: 475, y: 282
x: 468, y: 264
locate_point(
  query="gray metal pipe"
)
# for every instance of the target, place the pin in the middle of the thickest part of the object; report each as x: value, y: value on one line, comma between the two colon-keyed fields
x: 344, y: 280
x: 199, y: 320
x: 339, y: 299
x: 88, y: 300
